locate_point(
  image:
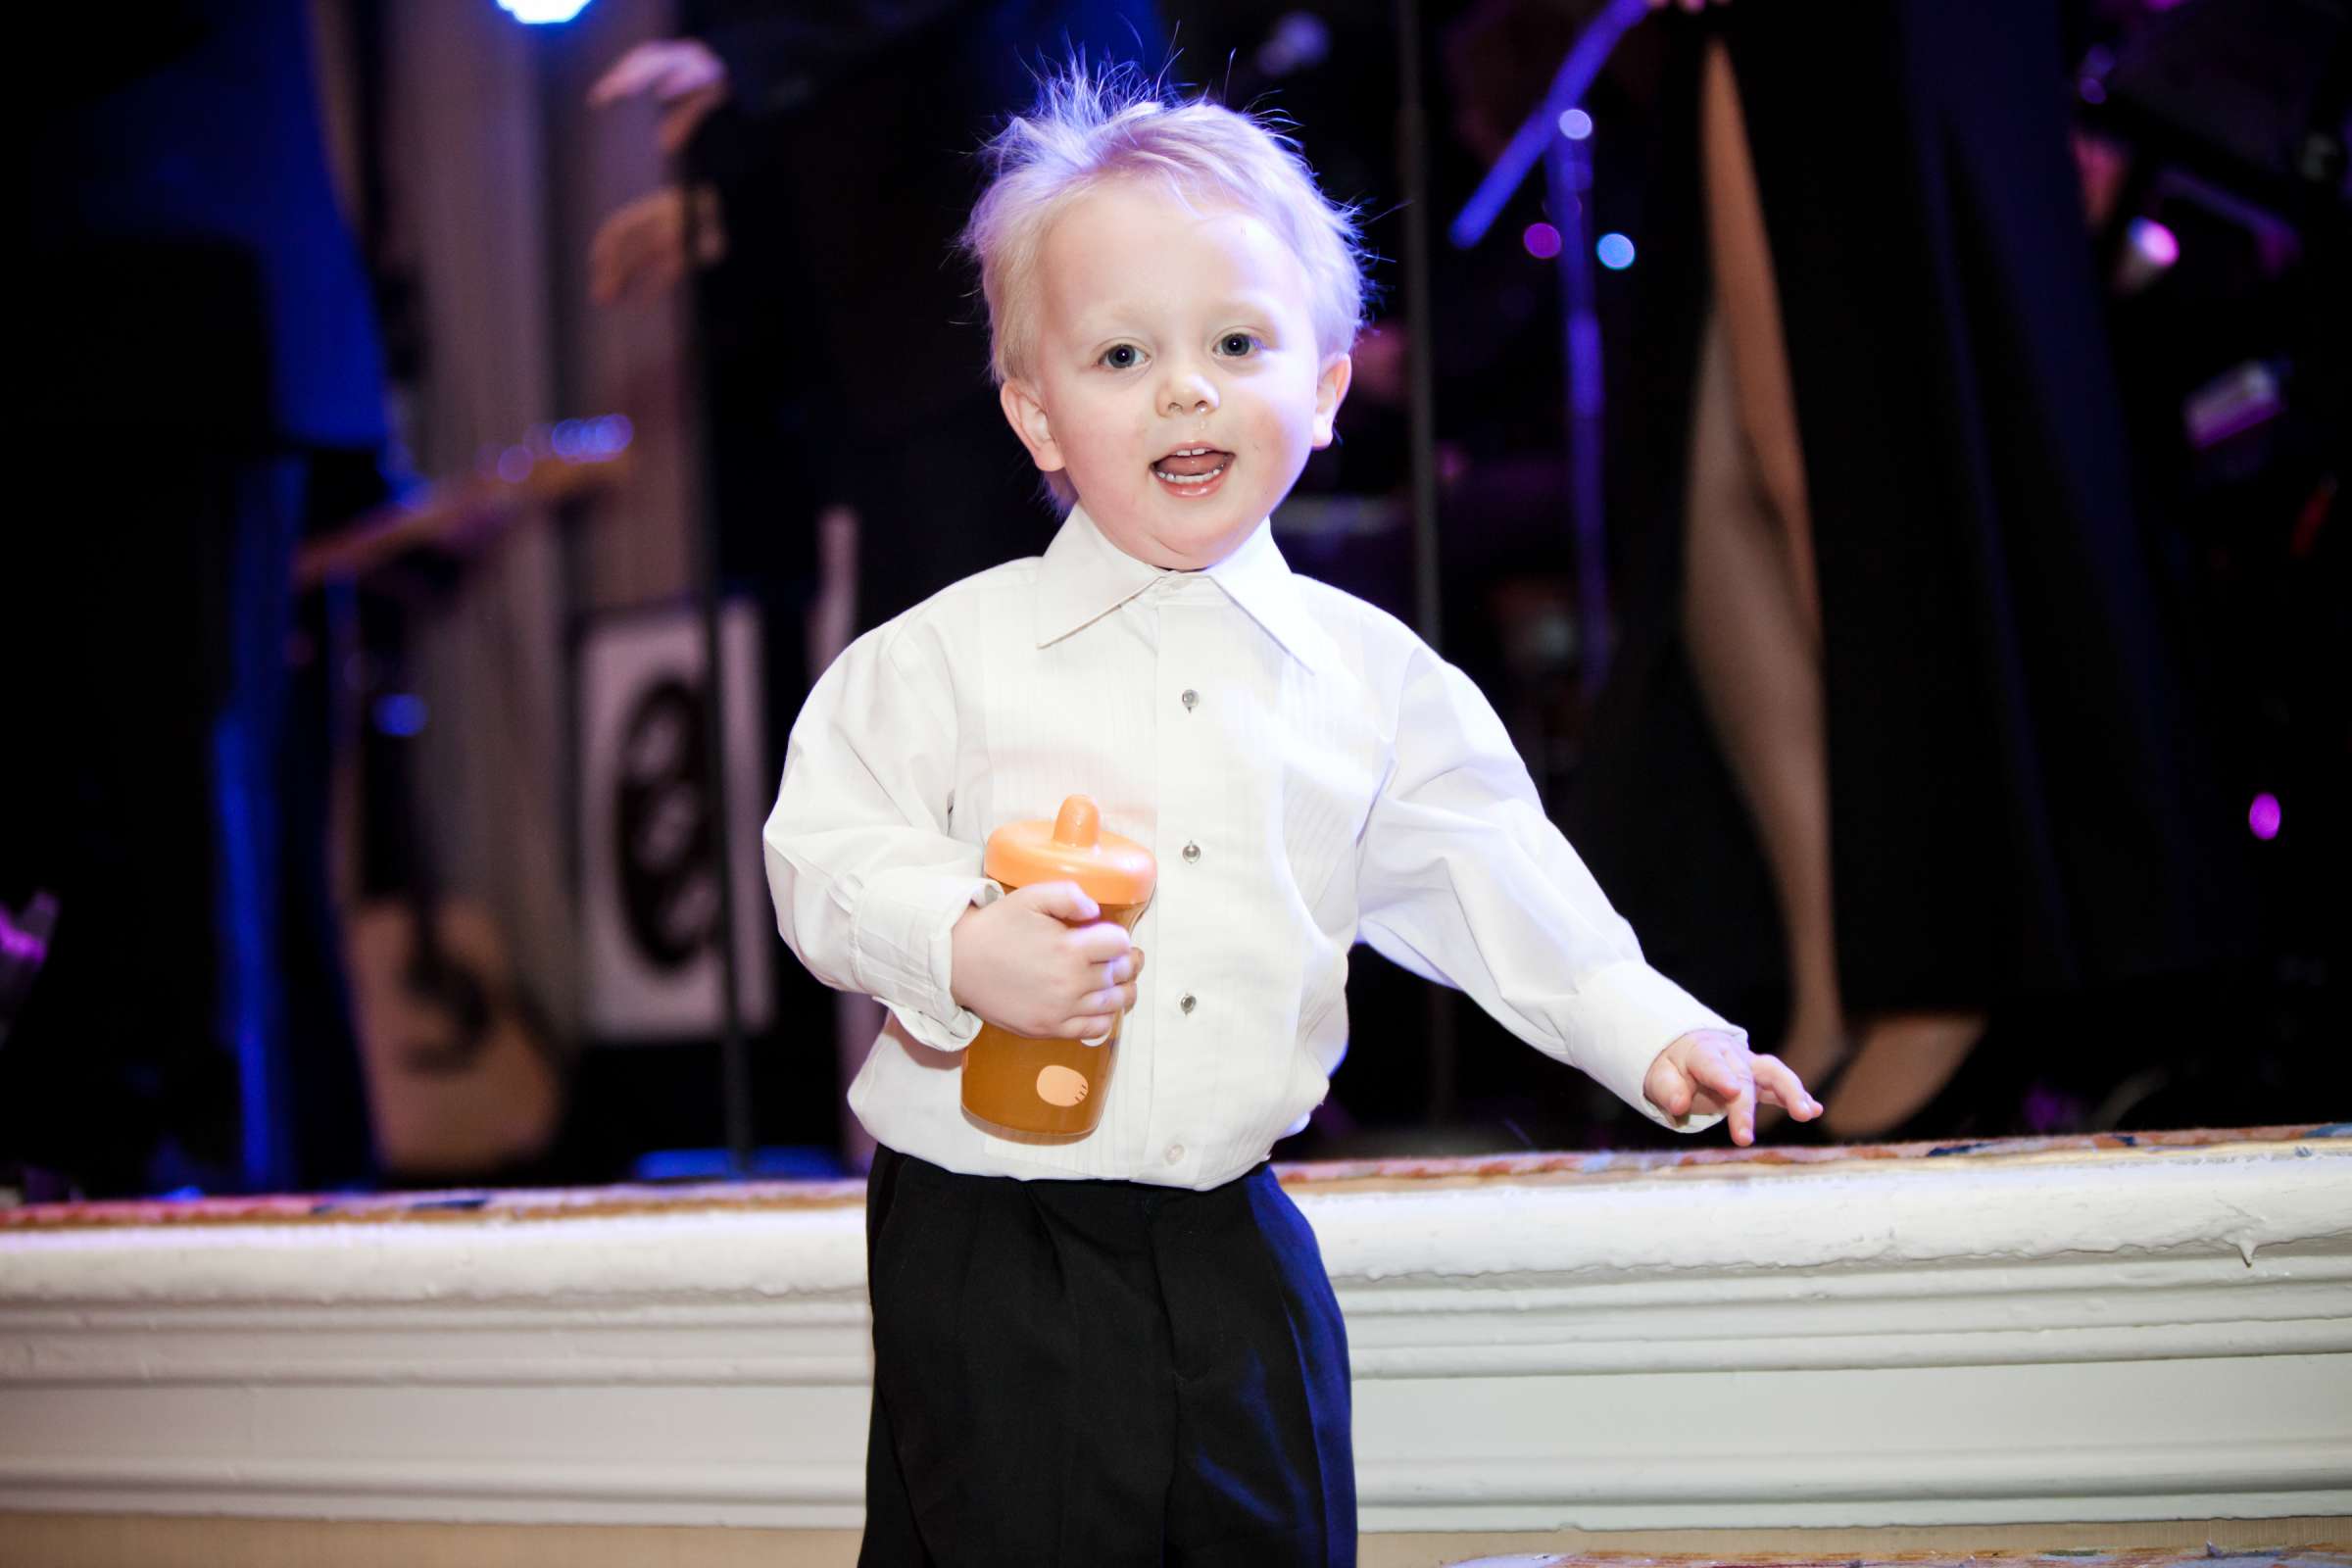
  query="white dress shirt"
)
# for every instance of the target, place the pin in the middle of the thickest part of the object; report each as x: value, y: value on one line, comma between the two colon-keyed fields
x: 1307, y: 774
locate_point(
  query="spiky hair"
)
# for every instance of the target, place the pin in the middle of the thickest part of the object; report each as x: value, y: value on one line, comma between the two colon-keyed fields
x: 1092, y: 126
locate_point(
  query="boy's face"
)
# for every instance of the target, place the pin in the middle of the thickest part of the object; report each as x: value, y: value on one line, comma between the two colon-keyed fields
x: 1175, y: 379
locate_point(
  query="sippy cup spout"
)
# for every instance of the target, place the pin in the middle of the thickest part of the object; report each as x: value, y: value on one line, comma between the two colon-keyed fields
x: 1079, y: 824
x: 1072, y: 846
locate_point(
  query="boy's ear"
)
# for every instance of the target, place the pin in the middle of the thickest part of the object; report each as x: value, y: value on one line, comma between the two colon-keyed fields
x: 1331, y: 390
x: 1027, y: 416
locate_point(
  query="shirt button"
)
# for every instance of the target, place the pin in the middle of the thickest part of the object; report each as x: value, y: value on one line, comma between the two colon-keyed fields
x: 1192, y: 854
x: 1175, y: 1152
x: 1187, y: 1002
x: 1190, y: 699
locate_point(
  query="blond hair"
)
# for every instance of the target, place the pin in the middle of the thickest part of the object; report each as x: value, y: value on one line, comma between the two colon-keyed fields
x: 1089, y: 129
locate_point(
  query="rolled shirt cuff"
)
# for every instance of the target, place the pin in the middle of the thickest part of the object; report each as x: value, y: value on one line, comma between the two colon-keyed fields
x: 1625, y: 1014
x: 903, y: 953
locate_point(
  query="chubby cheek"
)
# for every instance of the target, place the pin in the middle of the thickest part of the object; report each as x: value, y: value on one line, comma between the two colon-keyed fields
x: 1101, y: 447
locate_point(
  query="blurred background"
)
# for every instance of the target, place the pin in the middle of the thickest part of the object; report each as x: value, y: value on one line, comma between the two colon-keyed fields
x: 1876, y: 460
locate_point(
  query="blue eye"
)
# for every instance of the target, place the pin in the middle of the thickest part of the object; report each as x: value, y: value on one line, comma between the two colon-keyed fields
x: 1239, y: 345
x: 1122, y: 357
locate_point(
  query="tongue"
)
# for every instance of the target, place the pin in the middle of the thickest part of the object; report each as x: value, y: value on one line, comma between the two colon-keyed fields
x: 1203, y: 464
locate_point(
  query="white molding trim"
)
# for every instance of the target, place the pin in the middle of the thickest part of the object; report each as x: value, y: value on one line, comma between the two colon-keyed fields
x: 2157, y: 1335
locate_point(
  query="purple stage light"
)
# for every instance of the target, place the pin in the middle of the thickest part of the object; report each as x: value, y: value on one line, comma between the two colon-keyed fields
x: 1299, y: 39
x: 2234, y: 401
x: 1543, y: 241
x: 2149, y: 251
x: 2155, y: 243
x: 20, y: 946
x: 2263, y: 816
x: 1574, y: 124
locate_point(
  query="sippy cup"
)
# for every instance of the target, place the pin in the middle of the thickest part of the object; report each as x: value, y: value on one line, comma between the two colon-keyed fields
x: 1052, y: 1089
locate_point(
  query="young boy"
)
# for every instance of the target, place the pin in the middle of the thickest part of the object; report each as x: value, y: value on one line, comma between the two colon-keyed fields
x: 1124, y: 1349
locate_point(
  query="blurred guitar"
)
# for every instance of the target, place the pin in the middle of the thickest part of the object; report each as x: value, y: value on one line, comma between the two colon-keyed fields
x: 463, y: 1076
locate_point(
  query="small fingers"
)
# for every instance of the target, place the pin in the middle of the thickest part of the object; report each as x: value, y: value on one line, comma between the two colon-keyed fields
x: 1117, y: 1001
x: 1065, y: 902
x: 1778, y: 1085
x: 1117, y: 986
x: 1102, y: 942
x: 1740, y: 1111
x: 1733, y: 1087
x: 1670, y: 1089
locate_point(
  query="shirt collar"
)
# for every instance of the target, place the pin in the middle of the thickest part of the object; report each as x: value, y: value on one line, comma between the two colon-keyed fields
x: 1085, y: 577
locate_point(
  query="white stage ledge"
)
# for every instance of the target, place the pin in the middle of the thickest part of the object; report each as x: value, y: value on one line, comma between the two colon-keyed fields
x: 2088, y: 1329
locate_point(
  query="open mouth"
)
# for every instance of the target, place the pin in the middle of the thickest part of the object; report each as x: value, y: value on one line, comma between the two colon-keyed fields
x: 1191, y: 470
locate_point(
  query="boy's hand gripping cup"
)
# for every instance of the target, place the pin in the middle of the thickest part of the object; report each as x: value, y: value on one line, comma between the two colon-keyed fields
x: 1052, y: 1089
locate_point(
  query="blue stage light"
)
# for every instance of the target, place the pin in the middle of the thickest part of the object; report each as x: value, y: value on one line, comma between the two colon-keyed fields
x: 401, y: 713
x: 543, y: 13
x: 1615, y: 251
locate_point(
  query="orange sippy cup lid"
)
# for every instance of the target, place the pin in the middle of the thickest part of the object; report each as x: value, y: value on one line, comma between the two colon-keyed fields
x: 1074, y: 848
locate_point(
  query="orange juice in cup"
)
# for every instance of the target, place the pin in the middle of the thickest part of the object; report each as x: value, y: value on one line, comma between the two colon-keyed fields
x: 1052, y: 1089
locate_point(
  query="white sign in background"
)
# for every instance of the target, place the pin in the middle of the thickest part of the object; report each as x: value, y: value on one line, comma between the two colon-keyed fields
x: 648, y: 893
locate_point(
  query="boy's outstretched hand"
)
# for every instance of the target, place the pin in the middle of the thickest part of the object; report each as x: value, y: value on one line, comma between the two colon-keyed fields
x: 1039, y: 961
x: 1707, y: 1071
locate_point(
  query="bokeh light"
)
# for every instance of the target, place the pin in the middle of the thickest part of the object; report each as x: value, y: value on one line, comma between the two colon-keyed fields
x: 543, y: 13
x: 2264, y: 816
x: 2156, y: 244
x: 1576, y: 125
x: 1543, y: 241
x: 1615, y: 251
x: 401, y: 713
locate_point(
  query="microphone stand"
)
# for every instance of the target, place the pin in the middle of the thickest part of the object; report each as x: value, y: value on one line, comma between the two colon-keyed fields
x: 735, y: 1081
x: 1568, y: 175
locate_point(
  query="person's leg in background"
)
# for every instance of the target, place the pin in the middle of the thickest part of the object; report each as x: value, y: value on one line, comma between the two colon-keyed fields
x: 1751, y: 617
x: 1753, y: 624
x: 1754, y: 653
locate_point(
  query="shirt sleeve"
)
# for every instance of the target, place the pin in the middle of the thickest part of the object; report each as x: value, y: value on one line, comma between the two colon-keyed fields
x: 866, y: 877
x: 1464, y: 880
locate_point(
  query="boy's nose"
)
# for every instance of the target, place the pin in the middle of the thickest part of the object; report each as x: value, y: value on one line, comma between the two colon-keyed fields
x: 1190, y: 393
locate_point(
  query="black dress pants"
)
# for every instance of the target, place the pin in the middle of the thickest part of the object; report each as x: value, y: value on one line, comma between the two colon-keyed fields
x: 1098, y: 1374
